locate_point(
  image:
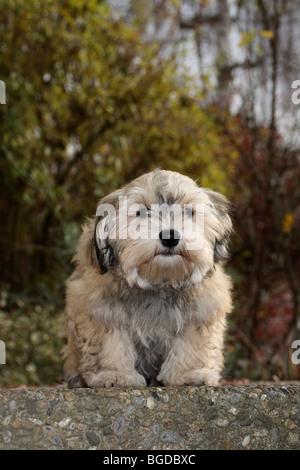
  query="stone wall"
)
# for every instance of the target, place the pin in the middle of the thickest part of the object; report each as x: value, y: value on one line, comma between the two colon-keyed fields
x: 229, y: 417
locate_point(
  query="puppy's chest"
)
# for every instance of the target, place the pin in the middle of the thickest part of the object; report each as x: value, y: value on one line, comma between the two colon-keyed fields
x: 155, y: 319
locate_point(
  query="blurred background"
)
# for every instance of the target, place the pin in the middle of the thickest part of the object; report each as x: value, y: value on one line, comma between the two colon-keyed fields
x: 99, y: 92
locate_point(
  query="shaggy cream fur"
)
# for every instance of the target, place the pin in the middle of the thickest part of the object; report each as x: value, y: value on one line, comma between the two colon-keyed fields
x: 148, y: 300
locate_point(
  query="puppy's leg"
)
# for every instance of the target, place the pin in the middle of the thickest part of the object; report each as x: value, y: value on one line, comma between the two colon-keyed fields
x: 195, y: 358
x: 115, y: 359
x: 71, y: 358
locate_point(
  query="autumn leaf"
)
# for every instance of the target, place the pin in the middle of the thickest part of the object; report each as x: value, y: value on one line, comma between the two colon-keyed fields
x: 246, y: 38
x: 287, y: 222
x: 267, y: 34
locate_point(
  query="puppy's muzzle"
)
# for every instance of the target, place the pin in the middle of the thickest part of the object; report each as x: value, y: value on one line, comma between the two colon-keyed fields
x: 169, y: 238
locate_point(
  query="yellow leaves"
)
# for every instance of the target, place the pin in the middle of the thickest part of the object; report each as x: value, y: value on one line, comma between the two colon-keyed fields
x: 176, y: 3
x: 234, y: 155
x: 247, y: 38
x: 287, y: 223
x: 267, y: 34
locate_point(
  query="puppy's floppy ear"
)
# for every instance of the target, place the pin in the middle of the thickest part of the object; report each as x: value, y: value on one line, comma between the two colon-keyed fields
x: 102, y: 247
x: 224, y: 211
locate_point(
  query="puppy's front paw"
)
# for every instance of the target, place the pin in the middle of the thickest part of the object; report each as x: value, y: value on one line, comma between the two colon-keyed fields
x: 76, y: 381
x: 112, y: 378
x: 202, y: 376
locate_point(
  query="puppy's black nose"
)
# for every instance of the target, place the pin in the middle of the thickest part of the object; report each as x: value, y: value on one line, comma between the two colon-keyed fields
x: 169, y: 238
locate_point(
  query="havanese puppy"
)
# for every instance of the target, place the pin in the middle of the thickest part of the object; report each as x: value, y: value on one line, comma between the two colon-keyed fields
x: 147, y: 302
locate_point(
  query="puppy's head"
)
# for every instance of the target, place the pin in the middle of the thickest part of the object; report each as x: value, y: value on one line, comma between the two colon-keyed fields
x: 162, y: 230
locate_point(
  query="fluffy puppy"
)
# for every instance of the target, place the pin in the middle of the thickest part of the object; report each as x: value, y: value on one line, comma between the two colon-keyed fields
x: 147, y: 302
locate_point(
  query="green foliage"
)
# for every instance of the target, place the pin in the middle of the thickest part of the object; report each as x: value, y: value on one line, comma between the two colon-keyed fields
x: 33, y: 334
x: 89, y: 102
x: 89, y: 106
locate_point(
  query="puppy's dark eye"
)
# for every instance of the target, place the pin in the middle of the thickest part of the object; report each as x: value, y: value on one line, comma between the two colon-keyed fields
x: 143, y: 212
x: 189, y: 211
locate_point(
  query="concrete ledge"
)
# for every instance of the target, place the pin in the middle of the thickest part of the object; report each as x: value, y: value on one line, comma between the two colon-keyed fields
x: 191, y: 418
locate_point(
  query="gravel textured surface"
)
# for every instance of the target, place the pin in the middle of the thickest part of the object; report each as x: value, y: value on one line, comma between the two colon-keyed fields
x: 229, y: 417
